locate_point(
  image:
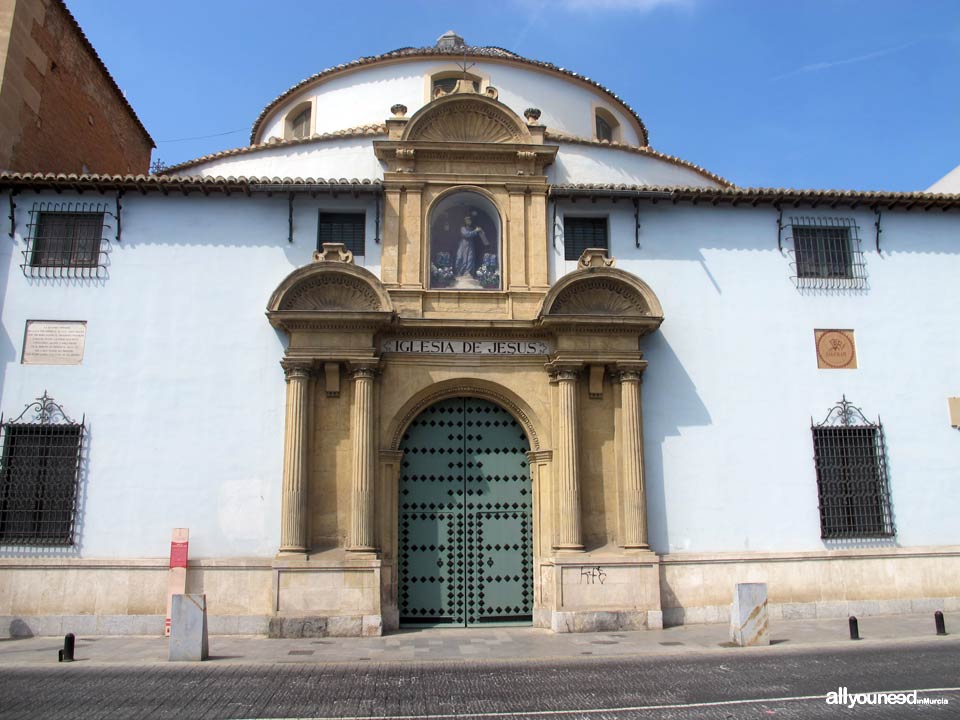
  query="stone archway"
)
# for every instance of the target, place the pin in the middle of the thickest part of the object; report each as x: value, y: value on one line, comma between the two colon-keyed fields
x: 465, y: 525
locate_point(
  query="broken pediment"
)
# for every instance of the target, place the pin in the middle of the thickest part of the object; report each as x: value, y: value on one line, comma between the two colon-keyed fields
x: 466, y: 118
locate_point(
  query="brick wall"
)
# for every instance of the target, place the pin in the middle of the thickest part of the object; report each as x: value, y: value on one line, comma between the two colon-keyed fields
x: 59, y: 112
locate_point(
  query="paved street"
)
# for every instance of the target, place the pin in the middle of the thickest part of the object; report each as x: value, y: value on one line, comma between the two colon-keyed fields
x: 778, y: 681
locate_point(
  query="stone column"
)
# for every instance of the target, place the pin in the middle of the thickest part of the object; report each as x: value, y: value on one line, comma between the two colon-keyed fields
x: 362, y: 532
x: 293, y: 524
x: 634, y: 500
x: 568, y: 536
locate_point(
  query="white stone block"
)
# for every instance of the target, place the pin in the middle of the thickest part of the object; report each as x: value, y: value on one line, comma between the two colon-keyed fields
x: 188, y: 628
x: 749, y: 624
x: 654, y: 620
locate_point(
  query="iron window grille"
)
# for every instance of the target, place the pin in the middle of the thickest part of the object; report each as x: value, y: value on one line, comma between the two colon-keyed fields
x: 827, y: 253
x: 66, y: 240
x: 40, y: 475
x: 850, y: 457
x: 346, y: 228
x: 580, y: 233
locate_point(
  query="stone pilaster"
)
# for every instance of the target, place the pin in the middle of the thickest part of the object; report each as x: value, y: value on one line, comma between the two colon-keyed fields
x: 567, y: 460
x: 362, y: 532
x: 633, y: 500
x: 293, y: 524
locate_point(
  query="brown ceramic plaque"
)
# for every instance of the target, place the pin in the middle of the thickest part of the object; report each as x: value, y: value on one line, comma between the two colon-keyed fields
x: 835, y: 350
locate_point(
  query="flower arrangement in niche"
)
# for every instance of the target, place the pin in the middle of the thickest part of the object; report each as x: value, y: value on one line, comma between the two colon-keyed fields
x: 441, y: 270
x: 488, y: 274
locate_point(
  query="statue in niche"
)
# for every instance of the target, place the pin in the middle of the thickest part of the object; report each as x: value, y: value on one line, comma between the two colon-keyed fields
x: 464, y: 244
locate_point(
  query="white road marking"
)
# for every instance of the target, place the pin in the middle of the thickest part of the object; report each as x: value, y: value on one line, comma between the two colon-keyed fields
x: 594, y: 711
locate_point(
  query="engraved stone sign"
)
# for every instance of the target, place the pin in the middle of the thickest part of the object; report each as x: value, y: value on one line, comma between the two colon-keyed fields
x: 835, y: 350
x: 54, y: 342
x: 442, y: 346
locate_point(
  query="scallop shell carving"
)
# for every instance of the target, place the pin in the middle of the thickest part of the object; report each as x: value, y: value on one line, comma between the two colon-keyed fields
x: 599, y: 297
x: 466, y: 122
x: 332, y: 293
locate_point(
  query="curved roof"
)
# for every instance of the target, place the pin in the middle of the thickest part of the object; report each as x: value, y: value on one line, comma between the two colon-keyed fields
x: 456, y: 51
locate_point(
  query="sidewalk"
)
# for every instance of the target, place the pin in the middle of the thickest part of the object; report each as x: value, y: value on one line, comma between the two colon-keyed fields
x: 493, y: 644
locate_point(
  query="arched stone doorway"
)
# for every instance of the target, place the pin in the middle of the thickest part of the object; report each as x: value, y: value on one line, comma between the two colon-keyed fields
x: 465, y: 524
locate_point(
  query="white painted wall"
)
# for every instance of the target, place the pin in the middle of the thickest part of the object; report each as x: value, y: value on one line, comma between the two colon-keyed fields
x: 364, y: 96
x: 733, y: 382
x: 180, y: 384
x: 183, y: 393
x: 606, y: 165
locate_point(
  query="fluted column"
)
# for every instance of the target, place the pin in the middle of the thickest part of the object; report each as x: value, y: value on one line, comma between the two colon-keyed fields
x: 293, y: 525
x: 634, y: 500
x: 567, y: 461
x: 362, y: 535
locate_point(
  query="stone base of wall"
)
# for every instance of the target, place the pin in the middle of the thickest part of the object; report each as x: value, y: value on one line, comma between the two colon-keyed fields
x: 318, y: 626
x: 698, y: 588
x: 604, y: 620
x: 20, y: 626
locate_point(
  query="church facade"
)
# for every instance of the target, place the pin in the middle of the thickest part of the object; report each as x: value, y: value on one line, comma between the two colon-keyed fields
x: 450, y: 344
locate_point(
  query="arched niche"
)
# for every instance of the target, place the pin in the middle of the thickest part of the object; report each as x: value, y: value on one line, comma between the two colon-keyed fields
x: 602, y: 295
x: 465, y: 117
x: 465, y: 241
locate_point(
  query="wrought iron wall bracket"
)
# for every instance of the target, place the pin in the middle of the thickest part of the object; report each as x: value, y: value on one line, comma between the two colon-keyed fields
x: 877, y: 225
x: 376, y: 217
x: 780, y: 229
x: 13, y: 215
x: 290, y: 217
x: 636, y: 221
x: 119, y: 208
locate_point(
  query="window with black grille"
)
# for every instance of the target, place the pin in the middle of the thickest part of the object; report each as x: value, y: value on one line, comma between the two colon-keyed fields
x: 66, y: 240
x: 346, y: 228
x: 39, y: 477
x: 852, y: 481
x: 827, y: 253
x: 580, y: 233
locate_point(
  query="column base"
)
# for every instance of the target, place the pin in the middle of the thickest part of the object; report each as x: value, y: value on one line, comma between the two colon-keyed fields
x: 569, y: 547
x: 291, y: 553
x: 369, y: 549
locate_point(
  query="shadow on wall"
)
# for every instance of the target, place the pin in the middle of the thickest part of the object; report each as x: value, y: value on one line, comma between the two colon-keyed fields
x: 670, y: 402
x: 8, y: 352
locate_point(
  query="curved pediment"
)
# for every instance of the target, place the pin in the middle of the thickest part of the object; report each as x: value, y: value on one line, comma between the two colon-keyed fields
x: 466, y: 118
x: 602, y: 293
x: 330, y: 287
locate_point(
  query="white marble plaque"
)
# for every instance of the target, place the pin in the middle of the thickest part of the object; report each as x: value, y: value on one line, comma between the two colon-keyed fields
x: 442, y: 346
x: 54, y: 342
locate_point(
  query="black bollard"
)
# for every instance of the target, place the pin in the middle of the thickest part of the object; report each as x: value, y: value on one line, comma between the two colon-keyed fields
x: 938, y: 621
x: 66, y: 655
x: 854, y: 628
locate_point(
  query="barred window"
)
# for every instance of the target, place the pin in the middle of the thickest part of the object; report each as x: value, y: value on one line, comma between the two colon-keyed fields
x: 827, y: 253
x: 580, y: 233
x: 346, y: 228
x: 39, y: 476
x: 66, y: 240
x: 300, y: 125
x: 849, y: 454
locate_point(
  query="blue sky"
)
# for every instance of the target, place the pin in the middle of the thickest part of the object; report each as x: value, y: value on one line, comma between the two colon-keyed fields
x: 844, y: 94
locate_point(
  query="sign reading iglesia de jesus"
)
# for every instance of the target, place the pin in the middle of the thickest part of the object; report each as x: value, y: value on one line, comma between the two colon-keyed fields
x: 439, y: 346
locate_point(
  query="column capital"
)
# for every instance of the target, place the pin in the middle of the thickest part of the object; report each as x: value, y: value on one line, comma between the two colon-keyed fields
x: 628, y: 371
x: 364, y: 369
x: 296, y: 369
x: 564, y: 371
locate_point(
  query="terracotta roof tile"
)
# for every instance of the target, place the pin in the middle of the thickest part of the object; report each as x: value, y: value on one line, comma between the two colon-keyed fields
x: 455, y: 52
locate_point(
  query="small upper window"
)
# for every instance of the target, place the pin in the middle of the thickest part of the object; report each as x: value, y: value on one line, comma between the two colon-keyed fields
x: 39, y: 476
x: 298, y: 122
x: 850, y: 460
x: 66, y: 240
x: 346, y: 228
x: 607, y: 126
x: 827, y: 253
x: 446, y: 83
x: 580, y: 233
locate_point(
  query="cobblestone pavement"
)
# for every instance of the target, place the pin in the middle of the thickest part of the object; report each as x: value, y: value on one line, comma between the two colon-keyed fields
x: 484, y: 644
x: 768, y: 682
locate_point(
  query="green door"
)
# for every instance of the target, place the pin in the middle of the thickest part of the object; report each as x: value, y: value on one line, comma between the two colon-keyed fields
x: 465, y: 517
